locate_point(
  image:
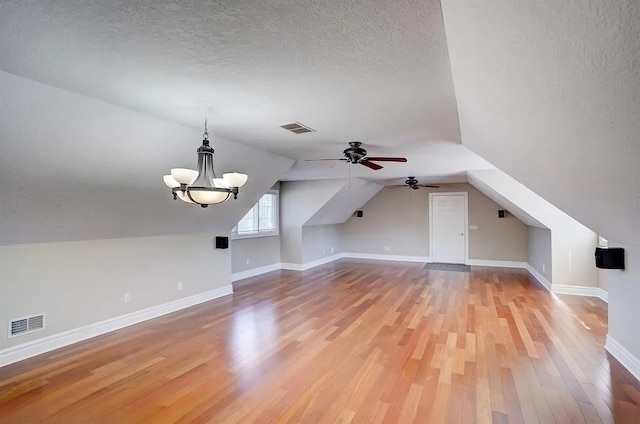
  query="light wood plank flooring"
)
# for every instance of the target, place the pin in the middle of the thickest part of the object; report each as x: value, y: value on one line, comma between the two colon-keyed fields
x: 352, y: 341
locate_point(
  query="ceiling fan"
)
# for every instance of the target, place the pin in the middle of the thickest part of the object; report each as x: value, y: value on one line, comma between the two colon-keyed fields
x: 356, y: 154
x: 412, y: 183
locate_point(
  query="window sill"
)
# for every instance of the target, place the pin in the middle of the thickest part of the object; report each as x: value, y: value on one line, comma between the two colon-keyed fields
x: 254, y: 235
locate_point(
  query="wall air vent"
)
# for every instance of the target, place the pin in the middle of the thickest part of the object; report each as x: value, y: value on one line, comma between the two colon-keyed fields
x: 297, y: 128
x: 26, y: 325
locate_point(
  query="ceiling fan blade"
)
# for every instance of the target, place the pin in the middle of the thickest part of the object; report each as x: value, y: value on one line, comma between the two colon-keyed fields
x: 371, y: 165
x: 430, y: 186
x: 386, y: 159
x: 313, y: 160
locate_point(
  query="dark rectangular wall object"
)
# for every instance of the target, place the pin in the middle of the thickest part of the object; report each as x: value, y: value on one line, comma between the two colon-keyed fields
x: 222, y: 242
x: 359, y: 214
x: 610, y: 258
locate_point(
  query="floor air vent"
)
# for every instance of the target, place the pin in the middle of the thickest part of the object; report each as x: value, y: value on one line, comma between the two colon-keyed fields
x: 26, y: 325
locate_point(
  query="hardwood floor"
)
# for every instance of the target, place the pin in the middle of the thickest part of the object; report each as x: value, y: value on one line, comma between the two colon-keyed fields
x: 351, y: 341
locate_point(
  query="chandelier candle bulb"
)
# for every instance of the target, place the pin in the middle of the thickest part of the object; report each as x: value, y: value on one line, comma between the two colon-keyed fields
x: 201, y: 186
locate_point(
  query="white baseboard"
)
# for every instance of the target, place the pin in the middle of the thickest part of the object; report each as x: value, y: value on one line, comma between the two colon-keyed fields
x: 308, y: 265
x: 255, y: 271
x: 499, y: 264
x: 541, y: 278
x: 580, y: 291
x: 566, y: 289
x: 626, y: 358
x: 56, y: 341
x: 382, y: 257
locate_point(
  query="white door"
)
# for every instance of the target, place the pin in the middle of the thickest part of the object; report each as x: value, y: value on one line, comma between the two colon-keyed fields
x: 448, y: 222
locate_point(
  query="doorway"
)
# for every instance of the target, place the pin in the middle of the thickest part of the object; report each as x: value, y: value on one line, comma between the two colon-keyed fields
x: 448, y: 227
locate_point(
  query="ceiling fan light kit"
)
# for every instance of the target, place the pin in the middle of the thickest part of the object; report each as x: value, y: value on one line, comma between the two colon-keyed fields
x: 201, y: 186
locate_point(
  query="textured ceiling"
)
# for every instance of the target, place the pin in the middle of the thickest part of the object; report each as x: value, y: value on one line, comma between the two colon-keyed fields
x: 376, y: 71
x: 92, y: 91
x: 549, y: 92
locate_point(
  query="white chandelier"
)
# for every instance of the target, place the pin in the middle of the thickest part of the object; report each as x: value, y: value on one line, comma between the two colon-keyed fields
x: 202, y: 187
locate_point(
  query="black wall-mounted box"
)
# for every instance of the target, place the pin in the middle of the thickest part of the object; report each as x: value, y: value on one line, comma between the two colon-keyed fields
x: 610, y: 258
x: 222, y: 242
x: 359, y: 214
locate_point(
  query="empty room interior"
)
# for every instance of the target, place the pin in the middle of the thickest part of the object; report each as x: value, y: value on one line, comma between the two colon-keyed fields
x: 287, y: 211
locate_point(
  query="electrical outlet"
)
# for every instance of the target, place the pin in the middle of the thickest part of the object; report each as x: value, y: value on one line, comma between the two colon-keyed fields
x: 247, y: 261
x: 179, y: 285
x: 387, y: 248
x: 127, y: 297
x: 544, y: 268
x: 331, y: 249
x: 324, y: 250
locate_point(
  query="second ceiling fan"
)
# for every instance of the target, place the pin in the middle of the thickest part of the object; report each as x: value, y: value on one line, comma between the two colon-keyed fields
x: 357, y: 154
x: 412, y: 183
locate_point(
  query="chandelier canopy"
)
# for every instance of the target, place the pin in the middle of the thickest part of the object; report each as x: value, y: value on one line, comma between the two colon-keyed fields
x: 201, y: 186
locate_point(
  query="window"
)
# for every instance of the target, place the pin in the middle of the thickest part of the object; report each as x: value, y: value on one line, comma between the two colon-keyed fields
x: 261, y: 220
x: 603, y: 242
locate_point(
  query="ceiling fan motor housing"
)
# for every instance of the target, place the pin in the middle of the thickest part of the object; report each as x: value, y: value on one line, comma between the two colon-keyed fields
x: 411, y: 181
x: 355, y: 152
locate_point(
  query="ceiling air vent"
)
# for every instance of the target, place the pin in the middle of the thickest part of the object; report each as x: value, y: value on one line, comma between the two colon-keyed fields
x: 297, y: 128
x: 26, y: 325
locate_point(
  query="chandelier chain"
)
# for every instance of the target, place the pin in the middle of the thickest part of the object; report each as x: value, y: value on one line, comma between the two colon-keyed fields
x: 205, y: 135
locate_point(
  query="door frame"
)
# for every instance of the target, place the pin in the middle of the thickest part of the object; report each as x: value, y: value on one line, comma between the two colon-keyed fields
x: 465, y: 194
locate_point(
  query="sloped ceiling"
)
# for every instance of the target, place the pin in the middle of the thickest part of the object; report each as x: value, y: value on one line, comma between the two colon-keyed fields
x: 74, y: 168
x: 376, y: 71
x: 549, y: 92
x: 354, y: 193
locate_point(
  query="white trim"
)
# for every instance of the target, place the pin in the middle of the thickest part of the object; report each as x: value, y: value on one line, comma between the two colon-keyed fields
x: 541, y: 278
x: 265, y: 233
x: 235, y: 236
x: 56, y: 341
x: 565, y: 289
x: 308, y: 265
x: 498, y: 264
x: 466, y: 219
x: 580, y: 291
x: 255, y: 271
x: 380, y: 257
x: 626, y: 358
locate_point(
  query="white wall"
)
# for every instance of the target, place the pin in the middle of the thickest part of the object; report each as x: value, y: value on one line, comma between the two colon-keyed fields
x: 83, y: 282
x: 540, y: 252
x: 258, y: 251
x: 573, y: 257
x: 573, y: 244
x: 399, y: 218
x: 299, y: 201
x: 624, y: 295
x: 321, y: 241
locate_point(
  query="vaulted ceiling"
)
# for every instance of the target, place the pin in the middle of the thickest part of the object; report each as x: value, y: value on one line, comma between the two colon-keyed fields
x: 546, y: 91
